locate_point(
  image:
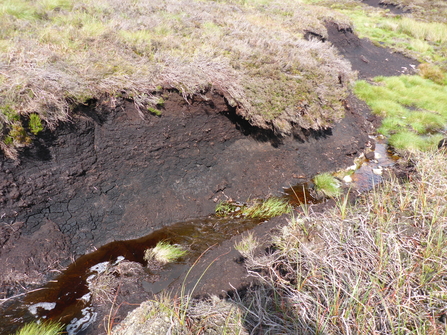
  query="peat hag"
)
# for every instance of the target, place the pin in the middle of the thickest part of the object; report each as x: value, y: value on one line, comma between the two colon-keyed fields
x: 114, y: 174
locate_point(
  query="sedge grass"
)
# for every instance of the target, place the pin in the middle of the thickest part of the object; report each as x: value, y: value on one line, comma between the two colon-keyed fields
x: 327, y: 184
x: 379, y: 269
x: 46, y: 328
x: 164, y: 253
x: 269, y: 208
x: 257, y: 208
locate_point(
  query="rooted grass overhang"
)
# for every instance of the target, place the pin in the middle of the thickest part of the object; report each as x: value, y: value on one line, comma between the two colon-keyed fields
x: 55, y: 54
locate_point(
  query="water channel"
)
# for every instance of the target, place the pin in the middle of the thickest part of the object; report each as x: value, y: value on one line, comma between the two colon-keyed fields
x: 67, y: 298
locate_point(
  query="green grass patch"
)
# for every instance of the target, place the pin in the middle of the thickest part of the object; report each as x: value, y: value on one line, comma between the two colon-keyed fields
x: 258, y: 208
x: 45, y: 328
x: 164, y: 253
x: 227, y: 208
x: 268, y: 208
x: 327, y: 184
x: 414, y: 109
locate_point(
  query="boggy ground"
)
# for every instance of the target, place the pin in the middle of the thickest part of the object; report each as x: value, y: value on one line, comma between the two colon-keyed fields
x: 110, y: 174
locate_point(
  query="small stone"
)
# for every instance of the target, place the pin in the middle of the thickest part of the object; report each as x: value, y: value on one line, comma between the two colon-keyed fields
x: 378, y: 171
x: 347, y: 179
x: 370, y: 155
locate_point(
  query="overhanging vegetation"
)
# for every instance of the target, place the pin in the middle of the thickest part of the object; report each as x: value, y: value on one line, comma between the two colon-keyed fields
x: 55, y: 54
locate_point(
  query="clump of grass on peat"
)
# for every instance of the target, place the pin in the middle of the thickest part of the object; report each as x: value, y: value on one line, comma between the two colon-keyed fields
x: 45, y: 328
x: 379, y: 269
x: 247, y: 245
x: 258, y: 208
x: 327, y: 184
x: 164, y: 253
x: 164, y: 315
x: 269, y: 208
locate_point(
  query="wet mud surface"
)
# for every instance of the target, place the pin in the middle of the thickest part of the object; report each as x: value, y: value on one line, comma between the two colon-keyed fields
x: 386, y: 5
x: 112, y: 175
x: 366, y: 58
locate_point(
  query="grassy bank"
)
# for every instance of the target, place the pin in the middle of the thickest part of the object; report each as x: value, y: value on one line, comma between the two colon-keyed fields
x: 376, y: 267
x: 55, y: 54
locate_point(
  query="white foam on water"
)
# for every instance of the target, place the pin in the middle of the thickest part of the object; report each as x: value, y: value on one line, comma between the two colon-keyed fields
x: 86, y: 297
x: 77, y: 325
x: 90, y: 278
x: 100, y: 267
x: 119, y: 259
x: 45, y: 305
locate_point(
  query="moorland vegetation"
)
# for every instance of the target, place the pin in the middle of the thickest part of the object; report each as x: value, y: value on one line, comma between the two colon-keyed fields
x: 377, y: 266
x: 58, y: 54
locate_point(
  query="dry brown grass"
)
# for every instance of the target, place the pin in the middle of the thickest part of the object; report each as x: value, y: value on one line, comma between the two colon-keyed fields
x: 378, y: 267
x: 55, y: 54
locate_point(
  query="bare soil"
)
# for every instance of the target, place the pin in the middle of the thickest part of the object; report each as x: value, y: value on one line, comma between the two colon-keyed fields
x: 110, y: 175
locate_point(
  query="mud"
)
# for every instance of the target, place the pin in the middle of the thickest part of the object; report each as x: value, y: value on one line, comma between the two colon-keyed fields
x: 387, y: 5
x: 366, y: 58
x: 111, y: 175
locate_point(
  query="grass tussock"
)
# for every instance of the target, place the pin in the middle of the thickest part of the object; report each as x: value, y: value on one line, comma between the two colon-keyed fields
x: 258, y: 208
x: 379, y: 269
x: 165, y: 316
x: 247, y: 245
x: 327, y: 184
x: 46, y: 328
x: 164, y: 253
x: 414, y: 109
x: 59, y: 53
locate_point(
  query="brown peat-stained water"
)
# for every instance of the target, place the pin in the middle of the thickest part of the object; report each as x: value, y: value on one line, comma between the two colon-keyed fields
x: 67, y: 298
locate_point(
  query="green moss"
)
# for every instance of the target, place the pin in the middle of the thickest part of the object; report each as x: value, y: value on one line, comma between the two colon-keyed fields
x: 154, y: 111
x: 19, y: 135
x: 9, y: 112
x: 8, y: 140
x: 35, y: 124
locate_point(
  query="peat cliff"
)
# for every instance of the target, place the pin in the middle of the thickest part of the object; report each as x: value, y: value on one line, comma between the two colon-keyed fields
x: 113, y: 173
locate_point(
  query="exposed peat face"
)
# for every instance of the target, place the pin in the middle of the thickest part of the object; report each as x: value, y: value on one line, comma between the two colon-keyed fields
x: 386, y: 5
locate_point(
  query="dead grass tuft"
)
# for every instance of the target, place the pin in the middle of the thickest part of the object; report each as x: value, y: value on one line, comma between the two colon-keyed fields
x: 380, y: 270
